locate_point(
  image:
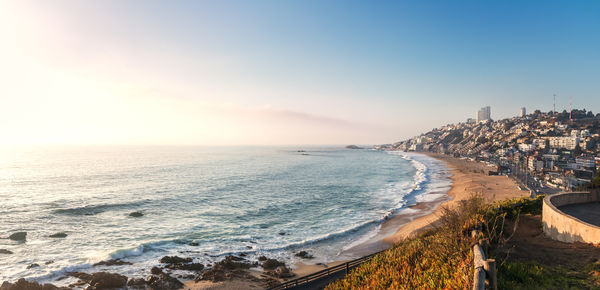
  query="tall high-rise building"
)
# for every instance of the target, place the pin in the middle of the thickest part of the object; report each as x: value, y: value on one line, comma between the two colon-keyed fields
x: 484, y: 114
x: 523, y: 112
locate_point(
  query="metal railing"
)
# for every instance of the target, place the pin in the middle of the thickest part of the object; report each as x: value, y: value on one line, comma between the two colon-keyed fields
x: 323, y: 273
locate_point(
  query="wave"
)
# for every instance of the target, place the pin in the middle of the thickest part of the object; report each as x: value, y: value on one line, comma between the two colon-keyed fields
x: 420, y: 175
x: 96, y: 209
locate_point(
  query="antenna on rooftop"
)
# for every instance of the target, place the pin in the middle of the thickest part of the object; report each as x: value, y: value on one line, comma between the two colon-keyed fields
x: 570, y: 108
x: 554, y: 110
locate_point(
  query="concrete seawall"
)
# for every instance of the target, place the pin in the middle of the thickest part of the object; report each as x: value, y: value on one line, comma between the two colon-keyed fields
x: 566, y: 228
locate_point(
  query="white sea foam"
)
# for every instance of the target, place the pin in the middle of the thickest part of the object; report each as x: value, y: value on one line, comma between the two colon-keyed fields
x: 363, y: 239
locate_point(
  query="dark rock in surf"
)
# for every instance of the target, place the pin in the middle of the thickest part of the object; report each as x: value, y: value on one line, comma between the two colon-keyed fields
x: 271, y: 264
x: 281, y: 272
x: 282, y: 233
x: 105, y: 280
x: 194, y: 244
x: 18, y: 236
x: 214, y: 275
x: 115, y: 262
x: 174, y: 260
x: 156, y: 271
x: 80, y: 275
x: 136, y: 283
x: 178, y: 263
x: 187, y: 267
x: 24, y: 284
x: 304, y: 255
x: 34, y: 265
x: 5, y: 251
x: 58, y: 235
x: 163, y: 281
x: 262, y: 258
x: 227, y: 268
x: 231, y: 263
x: 78, y: 284
x: 136, y: 214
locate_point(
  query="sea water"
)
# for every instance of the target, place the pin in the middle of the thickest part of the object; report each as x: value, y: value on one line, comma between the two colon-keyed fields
x: 199, y: 202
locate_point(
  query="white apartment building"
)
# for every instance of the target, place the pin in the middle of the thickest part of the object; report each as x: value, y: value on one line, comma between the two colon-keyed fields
x: 484, y: 114
x: 526, y: 147
x: 568, y: 143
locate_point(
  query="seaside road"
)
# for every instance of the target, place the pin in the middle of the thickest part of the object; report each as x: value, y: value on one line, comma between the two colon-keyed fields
x: 587, y: 212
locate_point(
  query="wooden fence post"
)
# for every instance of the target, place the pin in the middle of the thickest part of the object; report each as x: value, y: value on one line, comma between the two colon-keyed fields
x: 478, y: 268
x: 490, y: 268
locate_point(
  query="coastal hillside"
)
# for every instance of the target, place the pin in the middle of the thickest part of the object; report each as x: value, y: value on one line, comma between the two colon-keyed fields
x: 442, y: 258
x: 542, y: 150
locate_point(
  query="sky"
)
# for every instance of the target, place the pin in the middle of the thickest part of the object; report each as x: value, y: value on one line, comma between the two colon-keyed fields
x: 284, y: 72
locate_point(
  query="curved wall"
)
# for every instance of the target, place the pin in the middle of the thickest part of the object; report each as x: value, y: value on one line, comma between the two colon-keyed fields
x: 566, y: 228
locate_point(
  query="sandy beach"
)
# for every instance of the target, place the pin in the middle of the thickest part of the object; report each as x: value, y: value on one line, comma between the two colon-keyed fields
x: 468, y: 178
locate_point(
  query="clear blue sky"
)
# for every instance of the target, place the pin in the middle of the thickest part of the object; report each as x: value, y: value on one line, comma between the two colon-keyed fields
x: 330, y: 71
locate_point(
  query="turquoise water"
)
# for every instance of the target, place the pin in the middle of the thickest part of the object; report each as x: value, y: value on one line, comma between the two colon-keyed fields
x: 271, y: 201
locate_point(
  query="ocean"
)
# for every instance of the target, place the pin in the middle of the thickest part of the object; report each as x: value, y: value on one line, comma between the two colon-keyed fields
x: 199, y: 202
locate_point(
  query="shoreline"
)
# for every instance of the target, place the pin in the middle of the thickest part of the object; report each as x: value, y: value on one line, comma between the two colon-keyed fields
x: 467, y: 178
x: 378, y: 242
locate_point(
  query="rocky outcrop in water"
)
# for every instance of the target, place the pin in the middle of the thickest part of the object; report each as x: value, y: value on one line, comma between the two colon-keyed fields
x: 187, y: 267
x: 23, y: 284
x: 115, y: 262
x: 58, y: 235
x: 136, y: 214
x: 174, y: 260
x: 304, y: 255
x: 136, y: 283
x: 156, y: 271
x: 271, y: 264
x: 178, y: 263
x: 99, y: 280
x: 163, y: 281
x: 80, y: 275
x: 227, y: 268
x: 18, y: 236
x: 5, y: 251
x: 105, y: 280
x: 281, y: 272
x: 34, y: 265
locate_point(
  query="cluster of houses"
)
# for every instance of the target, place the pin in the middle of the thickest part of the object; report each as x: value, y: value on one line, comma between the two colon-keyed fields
x: 559, y: 150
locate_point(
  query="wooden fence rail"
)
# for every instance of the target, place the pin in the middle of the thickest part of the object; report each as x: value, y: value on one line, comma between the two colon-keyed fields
x: 346, y: 267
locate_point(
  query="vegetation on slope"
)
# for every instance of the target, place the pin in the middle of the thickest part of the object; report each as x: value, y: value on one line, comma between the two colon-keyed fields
x: 442, y: 258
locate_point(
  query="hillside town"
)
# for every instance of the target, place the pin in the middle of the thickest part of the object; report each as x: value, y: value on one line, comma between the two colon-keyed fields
x: 545, y: 152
